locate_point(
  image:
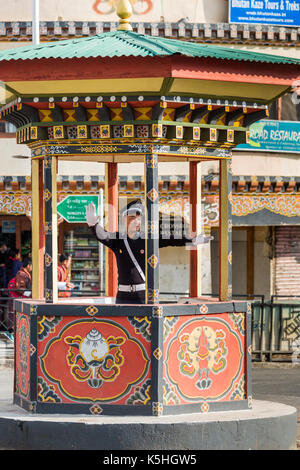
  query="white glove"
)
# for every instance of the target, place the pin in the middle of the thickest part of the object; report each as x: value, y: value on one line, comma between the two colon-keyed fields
x: 62, y: 285
x: 27, y: 293
x: 201, y: 239
x: 91, y: 217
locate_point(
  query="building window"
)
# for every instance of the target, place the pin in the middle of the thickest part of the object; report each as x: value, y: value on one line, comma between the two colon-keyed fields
x: 7, y: 128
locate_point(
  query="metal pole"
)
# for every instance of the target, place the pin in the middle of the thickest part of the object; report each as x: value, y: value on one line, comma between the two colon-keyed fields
x: 36, y: 21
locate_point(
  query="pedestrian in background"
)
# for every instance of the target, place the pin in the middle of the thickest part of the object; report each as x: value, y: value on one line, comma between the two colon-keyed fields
x: 23, y: 279
x: 4, y: 255
x: 14, y: 264
x: 63, y: 276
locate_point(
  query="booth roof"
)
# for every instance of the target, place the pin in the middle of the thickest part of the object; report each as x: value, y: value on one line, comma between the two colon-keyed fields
x: 128, y: 43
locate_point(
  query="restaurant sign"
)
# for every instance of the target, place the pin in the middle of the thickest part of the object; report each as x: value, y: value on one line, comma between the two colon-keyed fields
x: 274, y: 136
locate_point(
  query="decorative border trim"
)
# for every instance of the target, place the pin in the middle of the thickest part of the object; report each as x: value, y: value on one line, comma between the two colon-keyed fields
x: 225, y: 33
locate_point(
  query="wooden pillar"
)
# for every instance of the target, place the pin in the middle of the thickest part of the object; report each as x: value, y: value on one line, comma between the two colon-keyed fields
x: 195, y: 216
x: 225, y: 231
x: 51, y: 252
x: 37, y: 229
x: 111, y: 217
x: 250, y: 261
x: 151, y: 229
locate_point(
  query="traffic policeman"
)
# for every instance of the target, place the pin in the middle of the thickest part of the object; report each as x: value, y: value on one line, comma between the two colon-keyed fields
x: 129, y: 249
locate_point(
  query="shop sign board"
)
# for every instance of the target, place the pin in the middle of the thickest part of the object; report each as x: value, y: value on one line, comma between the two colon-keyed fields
x: 9, y: 226
x: 273, y: 136
x: 72, y: 208
x: 271, y: 12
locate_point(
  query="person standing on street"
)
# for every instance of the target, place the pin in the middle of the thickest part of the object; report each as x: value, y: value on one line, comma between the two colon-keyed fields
x: 23, y: 279
x: 4, y: 256
x: 63, y: 276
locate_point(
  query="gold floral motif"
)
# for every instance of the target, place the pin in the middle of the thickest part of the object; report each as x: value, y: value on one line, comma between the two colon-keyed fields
x: 32, y: 407
x: 151, y: 161
x: 157, y: 312
x: 157, y: 353
x: 203, y: 309
x: 196, y: 133
x: 179, y: 132
x: 230, y: 135
x: 105, y: 132
x: 48, y: 294
x: 153, y: 227
x: 48, y: 260
x: 157, y: 130
x: 99, y: 149
x: 58, y: 132
x: 129, y: 130
x: 153, y: 295
x: 33, y: 309
x: 48, y: 227
x: 33, y: 133
x: 157, y: 408
x: 205, y: 407
x: 153, y: 261
x: 47, y: 195
x: 213, y: 135
x: 82, y: 132
x: 91, y: 310
x: 152, y: 194
x: 96, y: 409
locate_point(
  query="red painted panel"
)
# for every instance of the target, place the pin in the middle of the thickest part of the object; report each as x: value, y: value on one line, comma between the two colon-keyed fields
x: 180, y: 67
x: 22, y: 355
x: 204, y: 359
x: 94, y: 360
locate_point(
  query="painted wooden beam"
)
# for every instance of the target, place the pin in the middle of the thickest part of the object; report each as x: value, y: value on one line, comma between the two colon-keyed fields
x: 111, y: 217
x: 51, y: 248
x: 37, y: 229
x: 164, y: 67
x: 195, y: 210
x: 225, y: 231
x: 151, y: 228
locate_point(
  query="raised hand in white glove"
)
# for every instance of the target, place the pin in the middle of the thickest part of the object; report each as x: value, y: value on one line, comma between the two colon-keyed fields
x: 201, y: 239
x: 91, y: 216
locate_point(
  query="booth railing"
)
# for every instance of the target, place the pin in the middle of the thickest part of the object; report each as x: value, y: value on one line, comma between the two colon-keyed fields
x: 275, y: 323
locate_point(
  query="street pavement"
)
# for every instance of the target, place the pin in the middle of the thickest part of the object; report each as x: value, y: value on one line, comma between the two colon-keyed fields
x: 279, y: 383
x: 272, y: 382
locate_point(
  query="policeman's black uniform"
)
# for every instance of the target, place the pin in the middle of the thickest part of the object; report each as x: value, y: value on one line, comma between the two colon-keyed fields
x: 128, y: 273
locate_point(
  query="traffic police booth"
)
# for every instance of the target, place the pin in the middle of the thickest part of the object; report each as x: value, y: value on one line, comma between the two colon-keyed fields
x: 124, y: 97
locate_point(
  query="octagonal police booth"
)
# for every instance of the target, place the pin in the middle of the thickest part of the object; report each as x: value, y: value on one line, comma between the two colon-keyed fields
x: 116, y: 98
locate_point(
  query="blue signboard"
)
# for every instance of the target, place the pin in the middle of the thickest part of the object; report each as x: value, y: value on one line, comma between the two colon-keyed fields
x: 273, y: 12
x: 279, y: 136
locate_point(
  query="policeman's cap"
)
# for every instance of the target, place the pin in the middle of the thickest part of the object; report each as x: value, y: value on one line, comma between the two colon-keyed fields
x: 134, y: 207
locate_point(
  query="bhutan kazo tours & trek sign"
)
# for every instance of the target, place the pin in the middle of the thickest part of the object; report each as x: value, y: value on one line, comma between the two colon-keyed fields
x: 272, y: 12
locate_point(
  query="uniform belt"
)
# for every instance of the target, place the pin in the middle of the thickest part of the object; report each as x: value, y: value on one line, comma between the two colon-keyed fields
x: 132, y: 288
